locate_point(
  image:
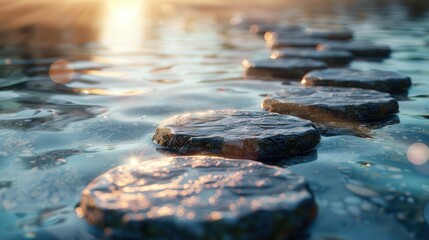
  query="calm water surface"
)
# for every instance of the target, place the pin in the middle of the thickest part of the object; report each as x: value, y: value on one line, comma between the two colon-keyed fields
x: 142, y: 66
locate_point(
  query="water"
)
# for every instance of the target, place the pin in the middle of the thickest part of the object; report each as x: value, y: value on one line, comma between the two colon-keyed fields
x: 176, y: 58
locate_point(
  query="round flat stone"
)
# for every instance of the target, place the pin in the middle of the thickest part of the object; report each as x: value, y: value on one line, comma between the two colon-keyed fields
x: 199, y: 198
x: 331, y: 57
x: 384, y: 81
x: 237, y: 134
x: 275, y: 42
x: 364, y: 50
x: 263, y: 28
x: 330, y: 34
x: 292, y: 68
x: 328, y: 104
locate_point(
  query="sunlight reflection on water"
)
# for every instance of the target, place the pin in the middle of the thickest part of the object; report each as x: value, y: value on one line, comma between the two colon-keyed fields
x: 149, y: 61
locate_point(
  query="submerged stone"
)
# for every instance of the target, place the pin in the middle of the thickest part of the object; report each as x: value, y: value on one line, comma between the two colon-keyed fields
x: 363, y: 50
x: 331, y: 57
x: 199, y: 198
x: 237, y: 134
x: 292, y: 68
x: 329, y: 104
x: 384, y: 81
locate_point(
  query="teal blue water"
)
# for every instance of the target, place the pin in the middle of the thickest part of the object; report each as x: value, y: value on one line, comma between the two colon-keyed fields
x: 56, y: 138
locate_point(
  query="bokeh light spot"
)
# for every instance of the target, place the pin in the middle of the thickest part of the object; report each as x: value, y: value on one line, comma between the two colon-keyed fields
x: 418, y: 153
x: 61, y: 71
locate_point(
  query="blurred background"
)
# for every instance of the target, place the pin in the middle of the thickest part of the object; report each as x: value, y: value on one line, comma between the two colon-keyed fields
x: 36, y: 25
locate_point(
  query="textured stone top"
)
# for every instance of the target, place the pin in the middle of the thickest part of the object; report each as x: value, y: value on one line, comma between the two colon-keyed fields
x: 329, y: 56
x: 291, y: 68
x: 238, y: 134
x: 199, y: 197
x: 385, y: 81
x: 364, y: 50
x: 329, y: 103
x: 332, y: 34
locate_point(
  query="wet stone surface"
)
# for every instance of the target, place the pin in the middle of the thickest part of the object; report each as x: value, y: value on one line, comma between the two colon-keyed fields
x: 330, y: 34
x: 333, y: 58
x: 237, y: 134
x: 384, y: 81
x: 199, y: 198
x: 328, y: 104
x: 293, y: 68
x: 274, y: 42
x: 263, y: 28
x: 360, y: 50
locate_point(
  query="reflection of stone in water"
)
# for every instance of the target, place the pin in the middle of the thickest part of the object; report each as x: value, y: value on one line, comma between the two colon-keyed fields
x: 426, y: 214
x: 360, y: 129
x: 294, y: 160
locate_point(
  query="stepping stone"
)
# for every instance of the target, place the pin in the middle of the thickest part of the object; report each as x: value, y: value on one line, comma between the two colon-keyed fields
x: 335, y: 58
x: 362, y: 50
x: 329, y: 104
x: 291, y: 68
x: 199, y: 198
x: 263, y: 28
x: 384, y: 81
x: 237, y: 134
x: 293, y: 42
x: 330, y: 34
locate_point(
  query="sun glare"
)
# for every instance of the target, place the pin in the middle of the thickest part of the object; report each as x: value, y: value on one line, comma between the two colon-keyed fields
x: 123, y: 24
x: 125, y: 10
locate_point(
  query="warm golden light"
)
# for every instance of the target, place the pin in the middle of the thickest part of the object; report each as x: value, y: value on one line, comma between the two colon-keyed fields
x: 106, y: 92
x: 104, y: 73
x: 125, y: 10
x: 61, y: 71
x: 133, y: 161
x: 418, y: 153
x: 123, y: 24
x: 275, y: 54
x: 246, y: 63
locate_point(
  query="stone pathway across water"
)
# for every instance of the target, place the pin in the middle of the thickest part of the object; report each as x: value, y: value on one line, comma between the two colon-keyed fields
x: 199, y: 198
x: 237, y: 134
